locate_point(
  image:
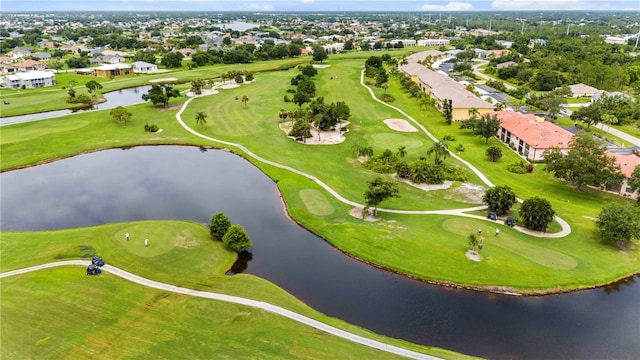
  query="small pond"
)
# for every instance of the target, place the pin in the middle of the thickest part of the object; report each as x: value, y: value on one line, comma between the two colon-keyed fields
x: 113, y: 99
x: 172, y: 182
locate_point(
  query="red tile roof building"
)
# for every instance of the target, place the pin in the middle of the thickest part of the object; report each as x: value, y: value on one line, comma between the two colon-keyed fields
x: 531, y: 136
x: 627, y: 164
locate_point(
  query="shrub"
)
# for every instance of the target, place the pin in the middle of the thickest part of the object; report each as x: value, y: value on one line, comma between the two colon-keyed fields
x: 286, y: 99
x: 536, y: 213
x: 449, y: 138
x: 219, y: 226
x: 454, y: 173
x: 291, y: 91
x: 494, y: 153
x: 238, y: 79
x: 236, y: 238
x: 151, y: 128
x: 387, y: 98
x: 384, y: 163
x: 518, y: 167
x: 499, y: 199
x: 402, y: 169
x: 249, y: 77
x: 460, y: 148
x: 423, y: 171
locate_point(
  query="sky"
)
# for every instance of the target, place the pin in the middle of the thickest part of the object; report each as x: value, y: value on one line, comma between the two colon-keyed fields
x: 317, y: 5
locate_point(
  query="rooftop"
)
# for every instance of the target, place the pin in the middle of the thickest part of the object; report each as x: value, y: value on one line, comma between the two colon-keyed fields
x: 536, y: 133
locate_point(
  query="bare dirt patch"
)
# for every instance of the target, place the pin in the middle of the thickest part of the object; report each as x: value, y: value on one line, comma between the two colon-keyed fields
x: 171, y: 79
x: 467, y: 193
x: 330, y: 137
x: 400, y: 125
x: 357, y: 213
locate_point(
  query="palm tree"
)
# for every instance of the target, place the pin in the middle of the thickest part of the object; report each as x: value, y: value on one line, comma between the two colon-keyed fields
x: 283, y: 114
x: 196, y: 86
x: 245, y: 99
x: 402, y: 151
x: 201, y: 118
x: 439, y: 149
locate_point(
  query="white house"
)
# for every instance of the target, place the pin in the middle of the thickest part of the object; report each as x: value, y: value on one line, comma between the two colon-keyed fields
x: 143, y: 67
x: 30, y: 79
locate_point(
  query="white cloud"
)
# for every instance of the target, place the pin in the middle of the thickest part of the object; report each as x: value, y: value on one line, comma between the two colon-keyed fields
x: 539, y: 5
x: 307, y: 1
x: 452, y: 6
x: 260, y: 7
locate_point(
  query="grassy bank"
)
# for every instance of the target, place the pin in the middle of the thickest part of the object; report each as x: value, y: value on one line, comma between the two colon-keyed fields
x: 73, y: 315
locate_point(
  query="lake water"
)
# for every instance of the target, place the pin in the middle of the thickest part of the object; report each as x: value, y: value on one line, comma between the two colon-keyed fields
x: 113, y: 99
x: 171, y: 182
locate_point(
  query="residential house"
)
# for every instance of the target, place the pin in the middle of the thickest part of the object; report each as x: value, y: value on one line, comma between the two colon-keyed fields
x: 41, y: 55
x: 29, y: 79
x: 6, y: 60
x: 333, y: 48
x: 530, y: 136
x: 29, y: 65
x: 7, y: 69
x: 580, y: 90
x: 19, y: 52
x: 185, y: 52
x: 144, y: 67
x: 109, y: 70
x: 72, y: 48
x: 504, y: 43
x: 481, y: 53
x: 628, y: 163
x: 506, y: 64
x: 498, y: 53
x: 306, y: 51
x: 112, y: 59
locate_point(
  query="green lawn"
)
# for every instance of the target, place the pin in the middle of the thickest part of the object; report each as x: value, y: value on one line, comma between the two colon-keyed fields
x: 414, y: 244
x: 71, y: 315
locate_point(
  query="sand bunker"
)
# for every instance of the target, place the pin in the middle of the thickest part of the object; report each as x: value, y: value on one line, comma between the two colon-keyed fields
x: 163, y: 80
x: 202, y: 93
x: 425, y: 187
x: 472, y: 255
x: 321, y: 66
x: 229, y: 86
x: 400, y: 125
x: 330, y: 137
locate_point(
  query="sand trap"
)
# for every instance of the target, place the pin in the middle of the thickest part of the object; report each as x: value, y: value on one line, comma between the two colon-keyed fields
x: 400, y: 125
x: 321, y: 66
x: 330, y: 137
x: 162, y: 80
x: 357, y: 213
x: 228, y: 86
x: 472, y: 255
x: 425, y: 187
x: 202, y: 93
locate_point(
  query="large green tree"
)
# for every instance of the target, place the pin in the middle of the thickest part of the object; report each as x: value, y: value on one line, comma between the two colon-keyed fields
x: 160, y: 94
x: 236, y: 238
x: 499, y: 199
x: 319, y: 54
x: 618, y: 224
x: 120, y: 114
x: 586, y: 163
x: 219, y: 226
x: 536, y: 213
x: 379, y: 190
x: 93, y: 86
x: 172, y: 60
x: 634, y: 180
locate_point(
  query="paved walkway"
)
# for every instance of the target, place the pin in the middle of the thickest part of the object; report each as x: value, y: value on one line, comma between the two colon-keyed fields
x: 235, y: 300
x: 566, y: 229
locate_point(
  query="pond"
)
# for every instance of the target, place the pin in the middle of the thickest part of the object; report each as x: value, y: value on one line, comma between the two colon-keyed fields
x: 113, y: 99
x: 172, y: 182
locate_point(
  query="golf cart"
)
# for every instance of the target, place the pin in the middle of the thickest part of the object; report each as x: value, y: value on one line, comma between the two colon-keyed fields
x: 97, y: 260
x: 93, y: 269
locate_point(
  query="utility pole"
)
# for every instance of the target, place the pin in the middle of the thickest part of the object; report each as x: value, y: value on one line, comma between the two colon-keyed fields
x: 568, y: 26
x: 522, y: 31
x: 490, y: 23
